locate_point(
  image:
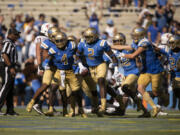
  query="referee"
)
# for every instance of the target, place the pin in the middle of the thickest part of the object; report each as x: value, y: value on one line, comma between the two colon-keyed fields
x: 8, y: 61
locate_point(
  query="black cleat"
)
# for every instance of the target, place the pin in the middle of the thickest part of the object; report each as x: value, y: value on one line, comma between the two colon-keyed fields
x: 145, y: 115
x: 12, y: 113
x: 38, y: 109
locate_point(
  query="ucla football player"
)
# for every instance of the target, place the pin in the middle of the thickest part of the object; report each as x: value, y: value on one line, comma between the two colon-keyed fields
x: 131, y: 73
x: 165, y: 79
x: 49, y: 70
x: 151, y: 67
x: 173, y: 56
x: 93, y: 49
x: 86, y: 80
x: 63, y: 58
x: 174, y: 60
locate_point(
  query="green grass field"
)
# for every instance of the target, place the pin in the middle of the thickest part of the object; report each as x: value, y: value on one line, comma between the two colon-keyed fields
x: 34, y: 124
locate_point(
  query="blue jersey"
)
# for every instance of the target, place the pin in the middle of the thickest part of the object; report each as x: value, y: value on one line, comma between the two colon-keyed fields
x: 128, y: 65
x: 94, y: 52
x: 134, y: 46
x: 150, y: 61
x: 63, y: 59
x: 47, y: 44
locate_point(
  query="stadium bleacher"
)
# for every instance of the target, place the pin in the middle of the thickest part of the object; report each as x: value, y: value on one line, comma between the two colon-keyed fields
x: 70, y: 13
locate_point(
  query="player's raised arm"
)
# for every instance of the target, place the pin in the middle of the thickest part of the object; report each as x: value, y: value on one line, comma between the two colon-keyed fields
x: 121, y: 47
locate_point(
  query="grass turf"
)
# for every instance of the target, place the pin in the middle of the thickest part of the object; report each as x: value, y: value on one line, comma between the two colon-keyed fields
x: 34, y: 124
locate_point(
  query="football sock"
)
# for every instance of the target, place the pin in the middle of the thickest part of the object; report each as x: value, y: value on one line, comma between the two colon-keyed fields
x: 148, y: 99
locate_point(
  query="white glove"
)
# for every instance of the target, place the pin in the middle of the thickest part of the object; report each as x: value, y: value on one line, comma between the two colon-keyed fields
x: 81, y: 67
x: 111, y: 65
x: 121, y: 55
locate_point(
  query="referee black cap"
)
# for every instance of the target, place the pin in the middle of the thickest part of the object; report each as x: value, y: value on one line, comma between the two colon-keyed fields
x: 13, y: 31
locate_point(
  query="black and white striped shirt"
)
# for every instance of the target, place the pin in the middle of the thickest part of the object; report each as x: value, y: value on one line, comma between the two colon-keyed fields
x: 9, y: 48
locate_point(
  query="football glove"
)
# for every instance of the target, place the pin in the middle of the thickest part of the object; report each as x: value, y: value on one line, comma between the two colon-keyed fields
x: 82, y: 68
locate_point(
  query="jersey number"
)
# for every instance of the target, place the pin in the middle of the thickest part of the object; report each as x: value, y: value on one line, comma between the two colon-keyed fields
x: 90, y: 53
x: 64, y: 59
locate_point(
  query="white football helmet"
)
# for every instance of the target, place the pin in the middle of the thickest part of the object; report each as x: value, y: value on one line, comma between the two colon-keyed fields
x: 45, y: 27
x: 165, y: 37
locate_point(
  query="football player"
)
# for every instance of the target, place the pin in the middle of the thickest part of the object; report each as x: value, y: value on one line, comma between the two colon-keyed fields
x: 131, y: 73
x: 165, y: 79
x: 151, y: 67
x: 40, y: 54
x: 93, y: 49
x: 86, y: 80
x: 49, y: 70
x: 63, y: 58
x: 174, y: 59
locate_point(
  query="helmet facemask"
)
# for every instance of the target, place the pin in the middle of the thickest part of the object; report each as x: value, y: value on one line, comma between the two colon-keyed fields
x: 60, y: 40
x: 138, y: 33
x: 174, y: 43
x: 52, y: 32
x: 119, y: 39
x: 91, y: 35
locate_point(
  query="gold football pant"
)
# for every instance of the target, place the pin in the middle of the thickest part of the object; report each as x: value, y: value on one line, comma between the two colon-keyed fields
x: 70, y: 80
